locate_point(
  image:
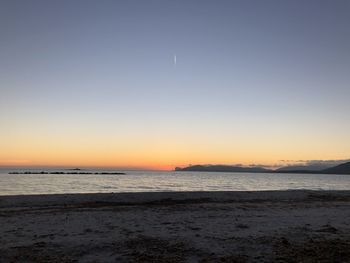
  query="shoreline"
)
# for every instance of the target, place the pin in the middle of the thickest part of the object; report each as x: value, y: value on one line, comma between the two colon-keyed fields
x: 262, y: 226
x: 147, y: 198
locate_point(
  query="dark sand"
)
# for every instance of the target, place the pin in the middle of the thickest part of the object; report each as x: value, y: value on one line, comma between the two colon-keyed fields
x: 278, y: 226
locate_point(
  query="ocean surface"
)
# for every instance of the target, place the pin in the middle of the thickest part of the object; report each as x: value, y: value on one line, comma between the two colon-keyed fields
x: 155, y: 181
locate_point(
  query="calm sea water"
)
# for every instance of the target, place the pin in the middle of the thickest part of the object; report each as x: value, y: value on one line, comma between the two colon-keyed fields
x: 153, y: 181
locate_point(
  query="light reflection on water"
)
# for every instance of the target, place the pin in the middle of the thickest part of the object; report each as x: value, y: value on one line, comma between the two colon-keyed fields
x: 154, y: 181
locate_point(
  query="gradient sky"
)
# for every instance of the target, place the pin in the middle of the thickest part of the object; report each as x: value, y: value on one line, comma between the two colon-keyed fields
x: 93, y: 83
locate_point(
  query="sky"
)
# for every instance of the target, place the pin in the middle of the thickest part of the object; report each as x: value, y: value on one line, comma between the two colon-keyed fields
x: 95, y: 83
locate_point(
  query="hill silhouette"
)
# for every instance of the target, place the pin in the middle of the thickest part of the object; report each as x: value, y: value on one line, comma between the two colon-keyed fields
x: 339, y: 169
x: 223, y: 168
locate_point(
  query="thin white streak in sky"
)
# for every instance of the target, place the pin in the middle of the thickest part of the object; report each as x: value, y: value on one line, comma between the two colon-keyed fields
x: 175, y: 60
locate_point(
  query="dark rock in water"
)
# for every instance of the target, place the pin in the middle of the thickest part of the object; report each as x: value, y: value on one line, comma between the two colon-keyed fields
x: 43, y: 172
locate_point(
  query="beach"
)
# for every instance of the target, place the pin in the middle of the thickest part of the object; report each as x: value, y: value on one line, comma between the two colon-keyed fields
x: 262, y: 226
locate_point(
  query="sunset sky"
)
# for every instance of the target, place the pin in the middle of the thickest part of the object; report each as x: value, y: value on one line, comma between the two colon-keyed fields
x: 94, y: 83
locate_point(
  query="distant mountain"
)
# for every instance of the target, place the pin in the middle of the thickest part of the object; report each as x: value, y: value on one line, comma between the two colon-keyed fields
x: 222, y: 168
x: 297, y: 171
x: 339, y: 169
x: 305, y: 168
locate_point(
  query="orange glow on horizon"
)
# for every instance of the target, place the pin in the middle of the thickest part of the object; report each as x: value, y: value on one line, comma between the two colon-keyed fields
x: 163, y: 150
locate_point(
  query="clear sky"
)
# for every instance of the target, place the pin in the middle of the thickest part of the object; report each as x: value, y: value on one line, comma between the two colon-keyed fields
x: 95, y: 83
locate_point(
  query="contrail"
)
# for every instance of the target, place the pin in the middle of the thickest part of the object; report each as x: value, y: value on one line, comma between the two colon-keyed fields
x: 174, y: 59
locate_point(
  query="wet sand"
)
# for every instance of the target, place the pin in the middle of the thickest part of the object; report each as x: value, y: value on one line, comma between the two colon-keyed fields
x: 274, y: 226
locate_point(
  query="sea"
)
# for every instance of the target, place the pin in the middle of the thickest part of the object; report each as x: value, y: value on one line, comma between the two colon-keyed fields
x: 162, y: 181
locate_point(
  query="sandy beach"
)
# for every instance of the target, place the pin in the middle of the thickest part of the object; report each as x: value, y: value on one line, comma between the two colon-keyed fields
x: 275, y: 226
